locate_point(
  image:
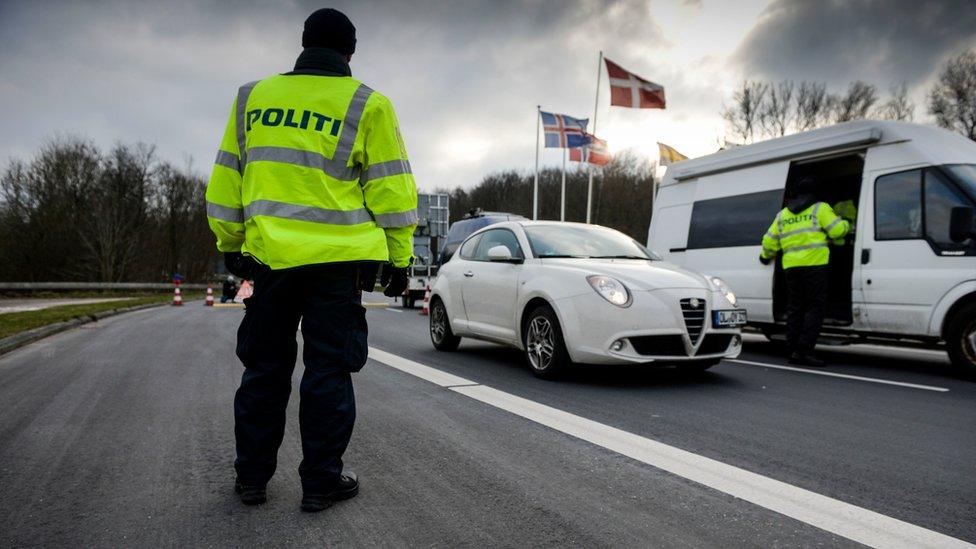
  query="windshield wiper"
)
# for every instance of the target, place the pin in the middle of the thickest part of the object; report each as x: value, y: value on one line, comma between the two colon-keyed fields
x: 622, y: 256
x: 547, y: 256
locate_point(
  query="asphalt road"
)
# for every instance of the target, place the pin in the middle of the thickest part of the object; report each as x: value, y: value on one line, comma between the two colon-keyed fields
x: 119, y: 433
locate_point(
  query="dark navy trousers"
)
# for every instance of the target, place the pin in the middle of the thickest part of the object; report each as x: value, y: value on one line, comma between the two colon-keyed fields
x: 326, y: 300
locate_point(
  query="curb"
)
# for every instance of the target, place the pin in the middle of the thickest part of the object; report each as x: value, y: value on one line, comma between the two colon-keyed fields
x: 17, y: 341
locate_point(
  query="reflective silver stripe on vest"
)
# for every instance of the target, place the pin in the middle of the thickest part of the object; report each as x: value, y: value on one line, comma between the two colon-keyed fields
x: 242, y: 94
x: 225, y: 213
x: 385, y: 169
x: 350, y: 125
x: 228, y: 160
x: 798, y: 231
x: 308, y: 159
x: 779, y: 222
x: 306, y: 213
x: 833, y: 224
x: 806, y: 247
x: 816, y: 220
x: 771, y: 236
x: 395, y: 220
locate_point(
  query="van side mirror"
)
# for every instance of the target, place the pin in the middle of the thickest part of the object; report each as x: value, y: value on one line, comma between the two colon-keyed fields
x: 961, y: 226
x: 502, y: 254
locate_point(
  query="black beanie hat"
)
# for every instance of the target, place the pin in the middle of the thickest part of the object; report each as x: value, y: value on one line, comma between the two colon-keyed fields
x: 329, y: 28
x: 806, y: 185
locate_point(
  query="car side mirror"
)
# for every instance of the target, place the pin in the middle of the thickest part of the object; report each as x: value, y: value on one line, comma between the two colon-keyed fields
x: 502, y: 254
x: 961, y: 224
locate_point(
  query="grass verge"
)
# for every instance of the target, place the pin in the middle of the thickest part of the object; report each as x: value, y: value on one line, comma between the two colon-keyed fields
x: 14, y: 323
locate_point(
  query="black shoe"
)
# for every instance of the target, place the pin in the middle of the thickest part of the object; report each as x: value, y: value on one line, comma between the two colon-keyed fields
x: 251, y: 495
x: 348, y: 488
x: 806, y: 359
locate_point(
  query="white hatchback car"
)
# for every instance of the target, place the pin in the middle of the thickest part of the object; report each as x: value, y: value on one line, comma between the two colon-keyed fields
x: 570, y: 292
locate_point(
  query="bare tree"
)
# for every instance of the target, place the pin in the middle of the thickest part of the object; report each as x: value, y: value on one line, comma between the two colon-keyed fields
x: 953, y: 98
x: 812, y: 105
x: 777, y: 109
x: 856, y: 103
x: 112, y: 232
x: 898, y: 106
x: 744, y: 116
x: 73, y: 213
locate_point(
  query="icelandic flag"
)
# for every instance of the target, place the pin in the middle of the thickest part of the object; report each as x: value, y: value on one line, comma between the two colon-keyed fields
x: 563, y: 131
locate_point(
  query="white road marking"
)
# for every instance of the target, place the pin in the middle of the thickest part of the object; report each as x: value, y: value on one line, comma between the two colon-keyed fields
x: 392, y: 310
x: 843, y: 376
x: 835, y: 516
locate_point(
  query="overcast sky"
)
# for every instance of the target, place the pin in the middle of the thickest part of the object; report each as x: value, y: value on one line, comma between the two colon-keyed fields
x: 465, y: 76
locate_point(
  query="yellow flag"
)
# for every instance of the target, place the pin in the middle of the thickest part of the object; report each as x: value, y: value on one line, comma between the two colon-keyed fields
x: 669, y: 155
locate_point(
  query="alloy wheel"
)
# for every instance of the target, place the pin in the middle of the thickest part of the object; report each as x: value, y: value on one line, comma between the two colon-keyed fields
x: 540, y: 343
x: 438, y: 323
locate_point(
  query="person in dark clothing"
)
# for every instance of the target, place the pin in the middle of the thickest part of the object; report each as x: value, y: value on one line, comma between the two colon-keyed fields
x: 229, y: 290
x: 801, y: 231
x: 330, y: 198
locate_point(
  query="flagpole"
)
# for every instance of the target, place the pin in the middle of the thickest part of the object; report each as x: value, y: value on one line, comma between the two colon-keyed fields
x: 589, y: 163
x: 535, y: 188
x: 562, y: 204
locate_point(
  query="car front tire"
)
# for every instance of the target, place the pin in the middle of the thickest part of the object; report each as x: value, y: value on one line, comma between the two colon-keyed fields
x: 545, y: 349
x: 441, y: 334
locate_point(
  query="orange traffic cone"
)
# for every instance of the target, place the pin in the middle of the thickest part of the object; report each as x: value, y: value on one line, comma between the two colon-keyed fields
x: 177, y: 297
x: 209, y: 302
x: 425, y: 310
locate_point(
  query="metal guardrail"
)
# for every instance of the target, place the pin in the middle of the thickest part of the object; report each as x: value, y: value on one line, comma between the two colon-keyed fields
x: 96, y: 286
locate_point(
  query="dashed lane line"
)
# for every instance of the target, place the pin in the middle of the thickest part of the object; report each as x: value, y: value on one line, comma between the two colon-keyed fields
x: 842, y: 376
x: 832, y: 515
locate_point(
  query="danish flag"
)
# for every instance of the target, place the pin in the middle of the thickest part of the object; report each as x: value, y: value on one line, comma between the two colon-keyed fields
x: 594, y: 153
x: 629, y: 90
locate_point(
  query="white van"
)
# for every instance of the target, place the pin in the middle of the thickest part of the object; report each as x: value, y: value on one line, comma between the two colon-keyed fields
x: 909, y: 272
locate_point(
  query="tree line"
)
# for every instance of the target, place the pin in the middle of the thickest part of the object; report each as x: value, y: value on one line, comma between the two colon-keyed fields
x: 622, y: 194
x: 74, y: 212
x: 762, y: 110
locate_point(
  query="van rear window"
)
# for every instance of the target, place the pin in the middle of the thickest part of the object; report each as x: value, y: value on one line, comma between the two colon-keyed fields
x: 733, y: 220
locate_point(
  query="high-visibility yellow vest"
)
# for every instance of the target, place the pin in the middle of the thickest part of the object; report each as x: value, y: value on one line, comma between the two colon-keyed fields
x: 802, y: 237
x: 312, y: 169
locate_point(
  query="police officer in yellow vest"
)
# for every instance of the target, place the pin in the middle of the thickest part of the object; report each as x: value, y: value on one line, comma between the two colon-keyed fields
x: 801, y: 231
x: 311, y: 193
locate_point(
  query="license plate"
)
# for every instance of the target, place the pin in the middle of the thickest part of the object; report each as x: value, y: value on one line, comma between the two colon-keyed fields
x: 729, y: 318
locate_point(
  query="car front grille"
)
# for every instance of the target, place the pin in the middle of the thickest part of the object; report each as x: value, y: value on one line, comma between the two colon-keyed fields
x: 714, y: 344
x: 694, y: 317
x: 659, y: 345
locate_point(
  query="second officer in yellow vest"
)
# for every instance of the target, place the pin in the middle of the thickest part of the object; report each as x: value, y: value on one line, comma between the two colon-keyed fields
x: 310, y: 194
x: 801, y: 232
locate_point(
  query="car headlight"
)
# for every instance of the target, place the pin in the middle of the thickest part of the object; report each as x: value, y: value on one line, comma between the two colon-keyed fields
x: 610, y: 289
x: 725, y: 289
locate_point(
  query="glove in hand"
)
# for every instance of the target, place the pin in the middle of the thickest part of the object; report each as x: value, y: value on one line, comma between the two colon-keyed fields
x: 395, y: 280
x: 765, y: 260
x: 241, y: 265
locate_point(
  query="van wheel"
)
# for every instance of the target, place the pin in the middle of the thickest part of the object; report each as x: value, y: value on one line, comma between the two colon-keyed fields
x: 441, y: 334
x: 961, y: 339
x: 545, y: 350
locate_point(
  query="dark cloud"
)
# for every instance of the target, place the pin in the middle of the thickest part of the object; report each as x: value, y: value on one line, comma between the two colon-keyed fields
x: 166, y: 72
x: 884, y: 41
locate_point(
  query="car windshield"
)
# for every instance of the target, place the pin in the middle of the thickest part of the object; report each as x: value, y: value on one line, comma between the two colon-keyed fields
x: 965, y: 175
x: 583, y: 241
